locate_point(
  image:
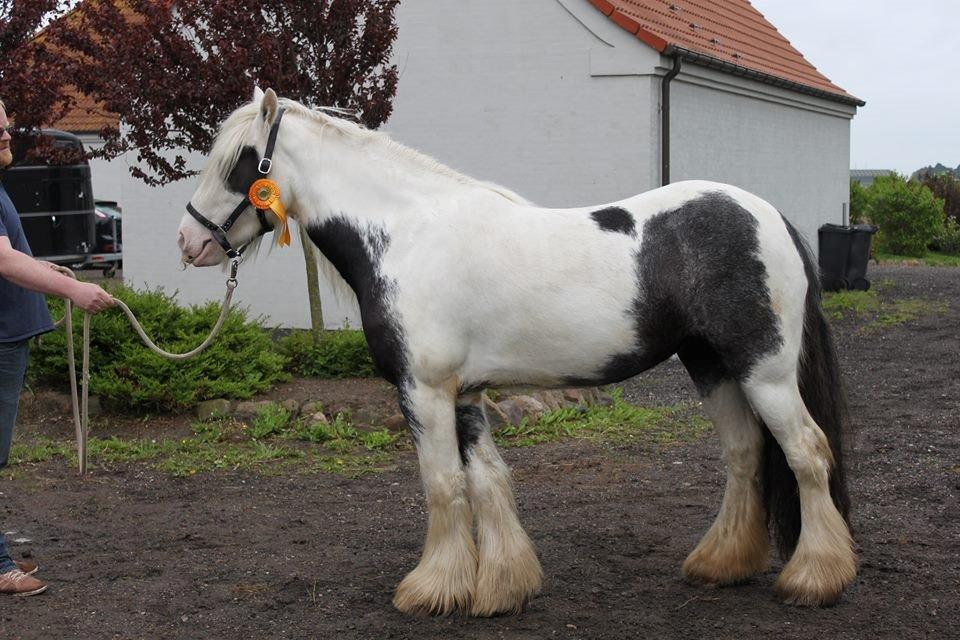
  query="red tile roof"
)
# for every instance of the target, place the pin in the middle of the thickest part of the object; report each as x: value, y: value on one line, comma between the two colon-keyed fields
x: 728, y: 34
x: 86, y: 117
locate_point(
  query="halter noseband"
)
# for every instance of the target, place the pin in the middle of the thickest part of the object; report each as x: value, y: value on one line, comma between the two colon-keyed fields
x: 219, y: 231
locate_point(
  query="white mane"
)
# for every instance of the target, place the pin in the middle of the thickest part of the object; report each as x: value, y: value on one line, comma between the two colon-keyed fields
x: 236, y: 129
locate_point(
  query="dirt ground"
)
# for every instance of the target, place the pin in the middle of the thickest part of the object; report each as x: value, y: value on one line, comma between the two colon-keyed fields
x: 134, y: 553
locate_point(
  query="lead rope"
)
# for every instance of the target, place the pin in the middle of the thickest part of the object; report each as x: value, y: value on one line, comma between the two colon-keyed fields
x: 81, y: 417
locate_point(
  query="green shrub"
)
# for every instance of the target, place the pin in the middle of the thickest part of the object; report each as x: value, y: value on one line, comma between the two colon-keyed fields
x: 340, y: 354
x: 948, y: 238
x: 859, y: 200
x: 125, y: 374
x: 907, y: 213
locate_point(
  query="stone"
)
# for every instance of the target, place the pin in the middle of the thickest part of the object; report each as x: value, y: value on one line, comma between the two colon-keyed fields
x: 310, y: 407
x: 210, y: 409
x: 396, y: 423
x: 292, y: 406
x: 495, y: 416
x: 548, y: 399
x: 573, y: 396
x: 317, y: 417
x: 249, y: 409
x: 511, y: 410
x: 531, y: 407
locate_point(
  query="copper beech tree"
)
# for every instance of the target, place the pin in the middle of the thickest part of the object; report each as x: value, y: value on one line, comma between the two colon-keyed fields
x: 32, y: 73
x: 172, y: 70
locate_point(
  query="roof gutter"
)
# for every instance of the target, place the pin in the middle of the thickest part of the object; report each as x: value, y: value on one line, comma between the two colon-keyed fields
x: 665, y: 119
x: 705, y: 60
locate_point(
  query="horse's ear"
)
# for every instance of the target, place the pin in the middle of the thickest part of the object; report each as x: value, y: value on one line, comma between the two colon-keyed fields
x: 268, y: 107
x: 257, y: 94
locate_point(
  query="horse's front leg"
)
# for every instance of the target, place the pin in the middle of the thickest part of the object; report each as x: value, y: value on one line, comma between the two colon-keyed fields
x: 445, y: 578
x: 509, y: 572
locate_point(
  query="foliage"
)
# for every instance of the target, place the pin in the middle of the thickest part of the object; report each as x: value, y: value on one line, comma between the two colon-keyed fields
x: 622, y: 422
x: 339, y: 354
x: 174, y: 71
x: 267, y: 445
x: 876, y: 312
x: 123, y: 372
x: 907, y: 213
x: 269, y: 420
x: 947, y: 239
x: 341, y: 436
x: 945, y: 186
x: 858, y: 203
x: 33, y: 73
x: 929, y: 259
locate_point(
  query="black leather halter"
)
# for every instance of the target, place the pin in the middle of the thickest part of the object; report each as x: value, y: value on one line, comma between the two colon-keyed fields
x: 219, y: 231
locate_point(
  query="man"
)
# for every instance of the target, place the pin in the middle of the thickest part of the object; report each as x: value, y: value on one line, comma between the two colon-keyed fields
x: 23, y: 315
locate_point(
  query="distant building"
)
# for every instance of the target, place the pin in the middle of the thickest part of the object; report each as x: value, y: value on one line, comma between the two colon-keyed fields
x: 866, y: 176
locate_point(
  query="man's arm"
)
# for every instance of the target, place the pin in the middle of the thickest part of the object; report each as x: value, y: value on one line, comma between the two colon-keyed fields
x: 21, y: 269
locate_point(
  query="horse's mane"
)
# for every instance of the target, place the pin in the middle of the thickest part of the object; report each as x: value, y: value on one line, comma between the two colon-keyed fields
x: 235, y: 129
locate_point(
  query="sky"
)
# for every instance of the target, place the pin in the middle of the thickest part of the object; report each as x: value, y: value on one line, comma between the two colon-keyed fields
x: 902, y: 58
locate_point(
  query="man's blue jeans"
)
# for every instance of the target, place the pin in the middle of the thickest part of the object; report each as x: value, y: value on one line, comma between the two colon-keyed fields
x: 13, y: 364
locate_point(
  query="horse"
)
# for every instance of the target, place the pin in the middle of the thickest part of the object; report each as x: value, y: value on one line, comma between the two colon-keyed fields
x: 464, y: 285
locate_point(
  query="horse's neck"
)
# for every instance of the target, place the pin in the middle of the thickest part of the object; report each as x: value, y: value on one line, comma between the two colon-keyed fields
x: 360, y: 195
x: 372, y: 183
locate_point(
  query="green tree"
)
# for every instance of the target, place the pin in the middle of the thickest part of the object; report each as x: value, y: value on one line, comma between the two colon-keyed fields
x: 859, y: 200
x: 908, y: 214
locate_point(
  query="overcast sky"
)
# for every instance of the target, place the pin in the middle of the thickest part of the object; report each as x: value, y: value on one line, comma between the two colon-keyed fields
x: 902, y: 58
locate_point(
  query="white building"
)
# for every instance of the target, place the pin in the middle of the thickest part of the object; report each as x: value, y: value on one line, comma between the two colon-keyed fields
x: 569, y: 103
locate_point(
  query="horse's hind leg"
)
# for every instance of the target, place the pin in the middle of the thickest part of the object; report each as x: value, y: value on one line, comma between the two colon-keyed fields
x: 736, y: 546
x: 509, y: 572
x: 444, y: 580
x: 824, y: 561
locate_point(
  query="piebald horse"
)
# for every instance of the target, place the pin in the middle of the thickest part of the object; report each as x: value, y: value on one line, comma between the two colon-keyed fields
x: 463, y: 285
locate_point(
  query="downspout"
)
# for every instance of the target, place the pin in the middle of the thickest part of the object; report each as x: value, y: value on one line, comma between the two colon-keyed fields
x: 665, y: 119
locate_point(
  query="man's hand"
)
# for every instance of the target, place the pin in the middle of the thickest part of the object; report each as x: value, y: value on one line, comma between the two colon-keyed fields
x: 90, y: 297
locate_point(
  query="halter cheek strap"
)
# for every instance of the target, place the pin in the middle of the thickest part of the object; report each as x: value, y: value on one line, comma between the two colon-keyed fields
x: 219, y: 231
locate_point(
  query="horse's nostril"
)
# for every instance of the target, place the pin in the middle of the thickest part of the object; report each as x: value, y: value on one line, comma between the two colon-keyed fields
x: 205, y: 243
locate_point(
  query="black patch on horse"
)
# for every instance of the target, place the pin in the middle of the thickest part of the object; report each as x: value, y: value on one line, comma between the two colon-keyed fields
x: 356, y: 254
x: 702, y: 294
x: 614, y: 219
x: 245, y: 171
x: 470, y: 424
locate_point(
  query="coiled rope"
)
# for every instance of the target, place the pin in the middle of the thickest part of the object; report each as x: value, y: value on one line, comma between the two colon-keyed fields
x: 81, y: 406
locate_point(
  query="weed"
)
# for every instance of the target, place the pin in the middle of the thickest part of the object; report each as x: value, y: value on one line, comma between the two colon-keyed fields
x: 270, y: 419
x: 619, y: 423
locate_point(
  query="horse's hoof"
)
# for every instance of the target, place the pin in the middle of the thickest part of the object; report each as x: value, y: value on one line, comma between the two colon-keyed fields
x: 815, y: 581
x: 505, y: 585
x: 427, y: 592
x: 703, y: 570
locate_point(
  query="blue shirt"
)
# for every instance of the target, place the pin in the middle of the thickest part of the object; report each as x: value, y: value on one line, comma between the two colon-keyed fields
x: 23, y: 313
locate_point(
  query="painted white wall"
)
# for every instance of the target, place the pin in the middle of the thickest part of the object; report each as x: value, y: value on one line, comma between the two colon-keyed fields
x: 544, y: 96
x: 790, y: 149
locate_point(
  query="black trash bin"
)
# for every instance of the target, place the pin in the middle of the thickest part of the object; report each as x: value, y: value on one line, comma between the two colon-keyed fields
x: 859, y: 256
x: 844, y: 252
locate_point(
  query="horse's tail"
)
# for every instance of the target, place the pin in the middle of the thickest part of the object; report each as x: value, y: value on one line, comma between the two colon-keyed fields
x: 822, y: 393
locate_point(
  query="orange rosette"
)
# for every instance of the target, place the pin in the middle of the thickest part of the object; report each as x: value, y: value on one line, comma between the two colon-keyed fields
x: 265, y: 194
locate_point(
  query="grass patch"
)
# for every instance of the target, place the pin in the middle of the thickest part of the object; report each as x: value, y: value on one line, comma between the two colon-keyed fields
x: 838, y: 304
x: 619, y: 423
x: 272, y: 442
x: 878, y: 313
x: 931, y: 259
